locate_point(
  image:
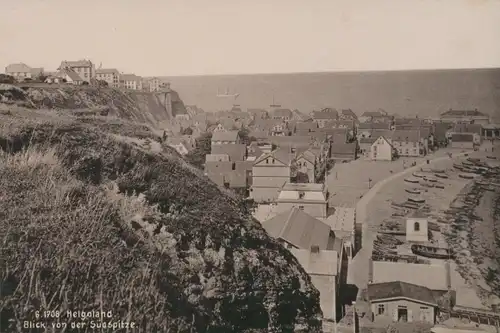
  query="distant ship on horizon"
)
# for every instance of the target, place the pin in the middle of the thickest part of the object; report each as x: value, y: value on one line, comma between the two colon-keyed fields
x: 227, y: 94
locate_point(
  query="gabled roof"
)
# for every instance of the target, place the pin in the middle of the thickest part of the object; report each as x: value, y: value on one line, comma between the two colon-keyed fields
x: 217, y: 167
x: 225, y: 136
x: 406, y: 135
x: 306, y: 126
x: 77, y: 63
x: 266, y: 124
x: 107, y: 71
x: 236, y: 152
x: 282, y: 113
x: 130, y: 78
x: 399, y: 289
x: 373, y: 114
x: 369, y: 140
x: 36, y: 71
x: 349, y: 124
x: 70, y: 73
x: 325, y: 114
x: 291, y: 141
x: 308, y: 156
x: 18, y: 68
x: 343, y: 148
x: 279, y: 154
x: 298, y: 228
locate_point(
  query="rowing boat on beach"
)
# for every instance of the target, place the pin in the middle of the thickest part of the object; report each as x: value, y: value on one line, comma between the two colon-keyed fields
x: 441, y: 175
x: 413, y: 190
x: 440, y: 186
x: 465, y: 176
x: 412, y: 180
x: 491, y: 157
x: 416, y: 200
x: 438, y: 170
x: 418, y: 175
x: 434, y: 252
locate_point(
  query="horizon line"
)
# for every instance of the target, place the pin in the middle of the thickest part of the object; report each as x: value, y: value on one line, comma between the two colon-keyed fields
x: 339, y: 71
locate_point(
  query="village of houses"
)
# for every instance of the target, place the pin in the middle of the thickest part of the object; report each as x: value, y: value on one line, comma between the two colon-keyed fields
x: 311, y: 178
x: 322, y: 184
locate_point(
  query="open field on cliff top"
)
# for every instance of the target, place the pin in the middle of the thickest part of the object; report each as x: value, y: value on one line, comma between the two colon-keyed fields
x: 90, y: 221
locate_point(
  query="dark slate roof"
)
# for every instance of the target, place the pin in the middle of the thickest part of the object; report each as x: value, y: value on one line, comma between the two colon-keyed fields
x: 398, y: 289
x: 372, y: 125
x: 225, y: 136
x: 328, y: 114
x: 343, y: 148
x: 406, y: 135
x: 299, y: 229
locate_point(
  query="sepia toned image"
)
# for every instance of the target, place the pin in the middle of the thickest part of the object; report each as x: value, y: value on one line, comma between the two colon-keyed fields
x: 250, y: 166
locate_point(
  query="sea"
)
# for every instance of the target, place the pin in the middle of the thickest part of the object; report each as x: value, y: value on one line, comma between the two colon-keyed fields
x: 425, y: 93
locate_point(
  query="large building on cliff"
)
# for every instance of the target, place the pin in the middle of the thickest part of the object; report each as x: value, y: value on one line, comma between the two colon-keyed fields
x: 110, y: 75
x: 84, y: 68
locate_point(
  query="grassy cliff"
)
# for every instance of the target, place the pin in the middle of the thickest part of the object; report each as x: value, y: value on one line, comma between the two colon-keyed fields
x: 93, y: 219
x: 142, y: 107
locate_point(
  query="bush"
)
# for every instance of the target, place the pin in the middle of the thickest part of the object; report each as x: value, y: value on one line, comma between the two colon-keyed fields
x: 4, y: 78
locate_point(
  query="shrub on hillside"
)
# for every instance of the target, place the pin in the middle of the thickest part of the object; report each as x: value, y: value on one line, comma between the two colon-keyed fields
x: 4, y: 78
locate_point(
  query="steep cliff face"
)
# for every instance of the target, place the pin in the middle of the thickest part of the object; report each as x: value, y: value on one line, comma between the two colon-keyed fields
x: 150, y: 108
x: 99, y: 223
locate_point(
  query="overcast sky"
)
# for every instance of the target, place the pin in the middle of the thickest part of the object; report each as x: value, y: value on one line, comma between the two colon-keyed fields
x: 191, y: 37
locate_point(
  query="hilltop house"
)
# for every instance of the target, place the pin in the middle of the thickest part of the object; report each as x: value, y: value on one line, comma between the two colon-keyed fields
x: 309, y: 197
x: 225, y: 137
x: 324, y: 116
x: 381, y: 150
x: 109, y: 75
x: 84, y: 68
x: 67, y: 75
x: 131, y: 81
x: 182, y: 145
x: 153, y: 84
x: 269, y: 173
x: 21, y: 71
x: 465, y: 116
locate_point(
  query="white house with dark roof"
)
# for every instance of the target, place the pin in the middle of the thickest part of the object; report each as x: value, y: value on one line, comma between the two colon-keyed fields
x: 408, y: 143
x: 282, y: 114
x: 382, y: 150
x: 67, y: 75
x: 269, y: 173
x: 306, y: 163
x: 109, y: 75
x: 21, y: 71
x: 310, y: 197
x: 236, y: 152
x: 399, y: 301
x: 343, y: 151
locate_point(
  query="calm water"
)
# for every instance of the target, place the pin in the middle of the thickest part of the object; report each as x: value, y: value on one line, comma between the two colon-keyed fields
x: 425, y: 93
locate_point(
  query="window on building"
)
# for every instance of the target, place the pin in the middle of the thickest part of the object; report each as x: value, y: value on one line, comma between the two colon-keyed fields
x: 273, y: 160
x: 416, y: 226
x: 301, y: 207
x: 233, y: 166
x: 381, y: 309
x: 267, y: 161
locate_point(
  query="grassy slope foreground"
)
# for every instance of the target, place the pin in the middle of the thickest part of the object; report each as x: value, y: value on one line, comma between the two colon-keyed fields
x: 91, y: 222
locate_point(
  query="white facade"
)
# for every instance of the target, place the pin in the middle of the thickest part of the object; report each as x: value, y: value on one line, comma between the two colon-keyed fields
x: 417, y: 230
x: 381, y: 150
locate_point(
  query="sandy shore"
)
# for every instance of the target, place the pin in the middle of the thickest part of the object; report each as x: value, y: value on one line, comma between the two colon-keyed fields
x: 467, y: 282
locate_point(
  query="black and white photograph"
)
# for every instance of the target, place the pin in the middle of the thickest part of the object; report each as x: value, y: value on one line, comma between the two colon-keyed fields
x: 231, y: 166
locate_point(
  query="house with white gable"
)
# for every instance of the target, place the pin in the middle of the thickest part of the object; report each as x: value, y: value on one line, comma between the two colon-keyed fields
x: 382, y: 150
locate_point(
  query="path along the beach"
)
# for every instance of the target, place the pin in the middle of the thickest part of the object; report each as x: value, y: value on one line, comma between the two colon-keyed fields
x: 358, y: 270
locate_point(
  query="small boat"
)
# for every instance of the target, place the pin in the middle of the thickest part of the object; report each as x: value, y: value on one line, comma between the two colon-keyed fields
x: 418, y: 175
x: 413, y: 190
x: 457, y: 166
x: 439, y: 186
x: 427, y: 185
x: 416, y: 200
x: 465, y: 176
x: 466, y: 163
x: 491, y: 157
x: 430, y: 179
x: 434, y: 252
x: 441, y: 175
x: 412, y: 180
x: 473, y: 160
x: 438, y: 170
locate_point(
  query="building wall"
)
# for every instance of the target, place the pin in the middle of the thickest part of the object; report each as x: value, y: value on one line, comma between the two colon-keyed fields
x: 264, y: 194
x: 410, y: 149
x: 462, y: 145
x: 19, y: 76
x: 381, y: 150
x: 112, y: 79
x: 318, y: 210
x: 328, y: 293
x: 271, y: 171
x: 416, y: 311
x: 420, y: 235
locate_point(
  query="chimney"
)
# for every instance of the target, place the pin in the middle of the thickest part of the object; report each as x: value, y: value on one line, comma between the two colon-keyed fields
x: 370, y: 270
x: 314, y: 249
x: 448, y: 275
